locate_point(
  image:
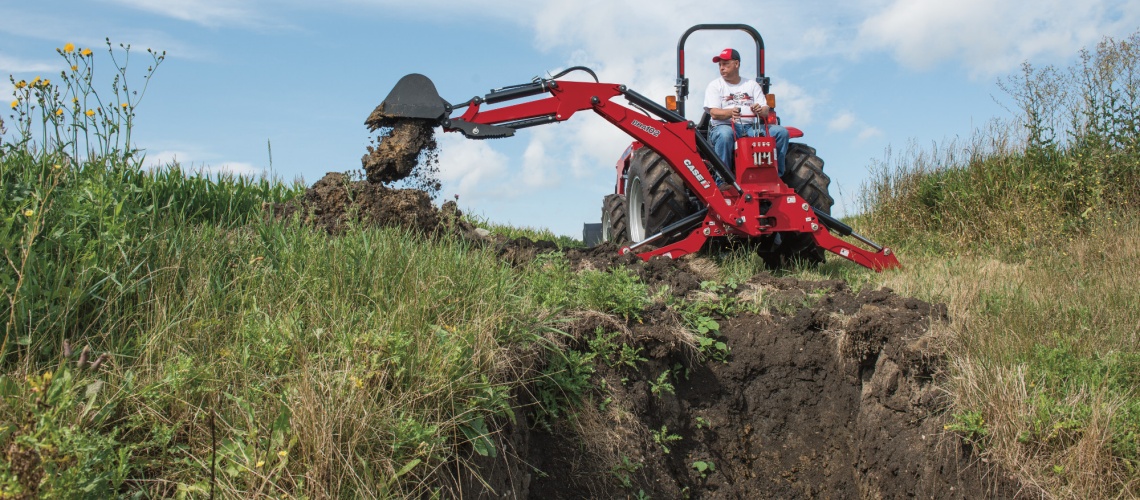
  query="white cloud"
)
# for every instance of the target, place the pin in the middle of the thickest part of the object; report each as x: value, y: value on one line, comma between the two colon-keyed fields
x: 233, y: 167
x: 848, y: 122
x: 795, y: 105
x: 869, y: 132
x: 12, y: 65
x: 186, y: 161
x: 471, y: 169
x: 841, y: 122
x: 537, y: 171
x: 205, y: 12
x: 165, y: 158
x: 989, y: 38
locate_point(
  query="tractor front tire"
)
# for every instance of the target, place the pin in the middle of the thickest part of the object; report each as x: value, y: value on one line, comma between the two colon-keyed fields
x: 656, y: 196
x: 804, y: 174
x: 615, y: 224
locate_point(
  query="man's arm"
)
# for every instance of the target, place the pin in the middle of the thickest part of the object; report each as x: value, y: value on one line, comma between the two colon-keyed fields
x: 724, y: 114
x: 760, y: 104
x: 713, y: 102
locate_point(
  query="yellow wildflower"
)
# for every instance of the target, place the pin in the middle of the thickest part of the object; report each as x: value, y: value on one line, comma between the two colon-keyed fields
x: 56, y: 166
x: 74, y: 68
x: 45, y: 83
x: 47, y: 377
x: 124, y: 105
x: 15, y: 103
x: 90, y: 112
x: 74, y: 99
x: 85, y: 52
x: 260, y: 463
x: 59, y: 112
x: 282, y: 453
x: 35, y: 81
x: 69, y: 47
x: 29, y: 212
x: 21, y: 84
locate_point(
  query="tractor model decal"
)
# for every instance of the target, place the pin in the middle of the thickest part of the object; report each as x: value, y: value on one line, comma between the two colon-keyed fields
x: 652, y: 131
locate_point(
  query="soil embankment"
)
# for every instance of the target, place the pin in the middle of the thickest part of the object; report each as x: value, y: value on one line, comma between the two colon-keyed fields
x: 824, y: 393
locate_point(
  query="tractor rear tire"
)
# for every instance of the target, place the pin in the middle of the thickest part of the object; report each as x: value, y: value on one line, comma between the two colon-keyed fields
x: 656, y: 196
x: 615, y: 224
x: 804, y: 174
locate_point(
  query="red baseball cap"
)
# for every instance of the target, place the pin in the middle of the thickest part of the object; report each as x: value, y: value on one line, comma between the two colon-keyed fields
x: 727, y: 54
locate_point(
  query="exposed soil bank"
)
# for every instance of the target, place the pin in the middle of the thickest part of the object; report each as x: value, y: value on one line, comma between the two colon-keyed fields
x: 827, y: 394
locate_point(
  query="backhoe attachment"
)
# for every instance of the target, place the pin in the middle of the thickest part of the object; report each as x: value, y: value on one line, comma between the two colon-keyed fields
x: 748, y: 201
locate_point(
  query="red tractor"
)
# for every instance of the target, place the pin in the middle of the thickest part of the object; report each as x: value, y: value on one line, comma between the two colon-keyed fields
x: 667, y: 200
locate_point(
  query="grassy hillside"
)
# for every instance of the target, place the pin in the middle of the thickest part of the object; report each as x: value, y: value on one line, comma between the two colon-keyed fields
x: 163, y: 337
x: 1028, y: 231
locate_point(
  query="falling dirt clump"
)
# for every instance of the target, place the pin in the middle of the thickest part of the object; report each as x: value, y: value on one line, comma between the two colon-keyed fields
x: 403, y: 145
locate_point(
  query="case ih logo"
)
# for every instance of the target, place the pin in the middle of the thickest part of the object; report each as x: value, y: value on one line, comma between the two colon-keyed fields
x: 700, y: 178
x: 652, y: 131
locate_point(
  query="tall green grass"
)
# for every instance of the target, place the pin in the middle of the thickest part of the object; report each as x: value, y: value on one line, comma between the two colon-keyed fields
x: 1069, y: 159
x: 164, y: 336
x: 1028, y: 231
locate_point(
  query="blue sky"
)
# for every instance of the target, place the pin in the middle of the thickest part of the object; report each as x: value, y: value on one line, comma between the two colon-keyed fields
x: 857, y: 76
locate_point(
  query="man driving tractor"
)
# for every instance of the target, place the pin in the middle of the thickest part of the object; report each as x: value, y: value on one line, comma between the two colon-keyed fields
x: 738, y: 109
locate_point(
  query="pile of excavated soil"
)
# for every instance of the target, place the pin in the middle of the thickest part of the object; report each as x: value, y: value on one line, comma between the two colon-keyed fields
x: 826, y: 394
x: 336, y: 201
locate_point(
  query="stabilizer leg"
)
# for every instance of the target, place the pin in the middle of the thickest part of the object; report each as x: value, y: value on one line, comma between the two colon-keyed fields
x: 878, y: 261
x: 690, y: 244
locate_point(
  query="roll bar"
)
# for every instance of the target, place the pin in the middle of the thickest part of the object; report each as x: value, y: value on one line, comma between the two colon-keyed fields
x: 682, y: 85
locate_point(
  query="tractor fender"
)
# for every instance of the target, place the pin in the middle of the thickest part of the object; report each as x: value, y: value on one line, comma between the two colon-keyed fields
x: 622, y: 166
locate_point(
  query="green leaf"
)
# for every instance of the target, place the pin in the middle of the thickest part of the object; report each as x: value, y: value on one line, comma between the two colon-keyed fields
x: 477, y: 433
x: 407, y: 467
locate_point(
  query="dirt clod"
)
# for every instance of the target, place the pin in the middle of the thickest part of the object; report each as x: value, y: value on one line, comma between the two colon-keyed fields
x: 402, y: 146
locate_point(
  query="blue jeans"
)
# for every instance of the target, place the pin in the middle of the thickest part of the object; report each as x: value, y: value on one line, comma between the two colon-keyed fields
x: 723, y: 141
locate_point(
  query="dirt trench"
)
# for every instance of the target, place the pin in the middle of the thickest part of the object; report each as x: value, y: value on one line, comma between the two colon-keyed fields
x: 827, y: 393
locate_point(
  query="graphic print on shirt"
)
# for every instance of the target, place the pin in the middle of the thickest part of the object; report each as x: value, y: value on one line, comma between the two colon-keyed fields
x: 737, y: 99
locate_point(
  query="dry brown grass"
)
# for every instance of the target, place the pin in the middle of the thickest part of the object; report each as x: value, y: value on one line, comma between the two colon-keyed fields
x: 1079, y: 297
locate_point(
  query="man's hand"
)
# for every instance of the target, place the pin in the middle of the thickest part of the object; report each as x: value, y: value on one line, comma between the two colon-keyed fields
x: 761, y: 110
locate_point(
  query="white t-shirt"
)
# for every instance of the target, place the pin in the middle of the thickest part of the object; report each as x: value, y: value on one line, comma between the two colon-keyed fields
x: 724, y: 95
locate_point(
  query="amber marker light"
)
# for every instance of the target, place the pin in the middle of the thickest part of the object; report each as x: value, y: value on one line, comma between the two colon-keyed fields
x: 671, y: 102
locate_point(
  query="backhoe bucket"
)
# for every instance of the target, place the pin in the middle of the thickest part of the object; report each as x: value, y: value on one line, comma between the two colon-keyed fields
x: 414, y: 96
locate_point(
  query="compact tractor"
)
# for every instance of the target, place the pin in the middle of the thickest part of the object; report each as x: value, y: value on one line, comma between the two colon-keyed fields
x: 672, y: 193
